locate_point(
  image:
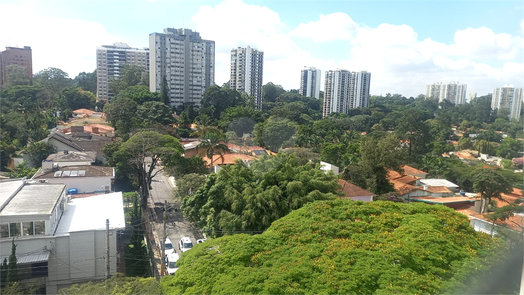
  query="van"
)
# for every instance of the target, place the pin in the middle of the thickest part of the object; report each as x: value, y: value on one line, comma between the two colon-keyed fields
x: 172, y: 267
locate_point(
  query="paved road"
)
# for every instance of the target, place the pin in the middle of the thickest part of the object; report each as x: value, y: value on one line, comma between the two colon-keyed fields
x: 176, y: 226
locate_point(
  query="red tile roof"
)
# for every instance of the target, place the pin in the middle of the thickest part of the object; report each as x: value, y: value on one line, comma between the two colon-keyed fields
x: 408, y: 171
x: 228, y: 159
x: 438, y: 189
x: 439, y: 200
x: 84, y: 111
x: 351, y: 190
x: 408, y: 179
x: 403, y: 188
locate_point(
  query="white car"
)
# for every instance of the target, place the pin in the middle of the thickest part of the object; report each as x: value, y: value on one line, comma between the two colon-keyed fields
x: 171, y: 263
x: 200, y: 241
x: 168, y: 247
x: 185, y: 244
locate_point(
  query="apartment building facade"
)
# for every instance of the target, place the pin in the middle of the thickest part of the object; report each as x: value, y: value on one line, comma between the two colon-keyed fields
x: 310, y: 82
x: 182, y: 63
x: 15, y: 56
x: 453, y: 92
x: 110, y: 61
x: 508, y: 97
x: 247, y: 67
x: 344, y: 90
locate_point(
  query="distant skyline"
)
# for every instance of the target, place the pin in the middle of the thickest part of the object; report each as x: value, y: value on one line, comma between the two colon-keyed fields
x: 406, y: 45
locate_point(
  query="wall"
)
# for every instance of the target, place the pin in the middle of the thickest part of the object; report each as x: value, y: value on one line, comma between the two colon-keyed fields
x: 84, y: 184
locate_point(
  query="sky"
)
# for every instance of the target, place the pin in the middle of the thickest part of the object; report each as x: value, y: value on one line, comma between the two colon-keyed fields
x: 404, y: 44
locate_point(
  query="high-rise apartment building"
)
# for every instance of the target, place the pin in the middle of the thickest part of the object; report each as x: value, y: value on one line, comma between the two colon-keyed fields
x: 15, y: 56
x: 310, y: 82
x: 186, y: 63
x: 453, y: 92
x: 247, y: 65
x: 507, y: 97
x: 344, y: 90
x: 110, y: 60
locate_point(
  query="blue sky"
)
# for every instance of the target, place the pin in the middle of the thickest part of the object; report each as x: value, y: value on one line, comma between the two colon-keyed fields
x: 404, y: 44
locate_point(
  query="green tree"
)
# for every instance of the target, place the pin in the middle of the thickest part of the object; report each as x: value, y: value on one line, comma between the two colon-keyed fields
x: 131, y: 75
x: 343, y: 246
x: 12, y: 271
x: 270, y: 92
x: 121, y: 113
x: 240, y: 119
x: 139, y: 93
x: 77, y: 98
x: 154, y: 112
x: 242, y: 199
x: 413, y: 129
x: 39, y: 151
x: 86, y: 81
x: 187, y: 185
x: 53, y: 81
x: 509, y: 148
x: 21, y: 171
x: 490, y: 183
x: 464, y: 143
x: 212, y: 141
x: 141, y: 154
x: 275, y: 133
x: 218, y: 99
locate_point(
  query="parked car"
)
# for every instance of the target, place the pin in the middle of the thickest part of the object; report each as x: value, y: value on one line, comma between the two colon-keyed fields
x: 185, y: 244
x: 168, y: 248
x: 200, y: 241
x: 172, y: 267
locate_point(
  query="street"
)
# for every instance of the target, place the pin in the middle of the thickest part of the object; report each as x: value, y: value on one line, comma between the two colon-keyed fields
x: 176, y: 226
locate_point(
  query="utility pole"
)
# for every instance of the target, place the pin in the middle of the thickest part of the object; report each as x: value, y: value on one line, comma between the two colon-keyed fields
x: 108, y: 267
x: 164, y: 236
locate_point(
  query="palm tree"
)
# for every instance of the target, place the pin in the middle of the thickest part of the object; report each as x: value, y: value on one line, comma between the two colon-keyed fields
x: 213, y: 142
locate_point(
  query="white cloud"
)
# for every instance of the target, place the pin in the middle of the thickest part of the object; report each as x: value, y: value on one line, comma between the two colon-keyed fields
x: 484, y: 43
x: 68, y: 44
x: 335, y: 26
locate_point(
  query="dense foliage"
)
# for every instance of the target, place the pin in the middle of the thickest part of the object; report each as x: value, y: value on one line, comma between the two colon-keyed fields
x: 344, y: 246
x: 244, y: 199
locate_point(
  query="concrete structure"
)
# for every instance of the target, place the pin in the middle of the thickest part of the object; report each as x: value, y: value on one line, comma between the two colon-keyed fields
x: 15, y: 56
x: 344, y: 90
x: 247, y: 65
x: 59, y: 241
x: 310, y: 82
x: 110, y: 60
x: 64, y: 159
x: 454, y: 92
x: 84, y: 178
x: 508, y: 97
x: 181, y: 63
x: 324, y: 166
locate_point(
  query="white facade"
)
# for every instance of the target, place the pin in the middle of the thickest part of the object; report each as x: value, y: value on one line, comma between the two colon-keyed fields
x: 70, y: 246
x: 344, y: 90
x: 508, y: 97
x: 310, y: 82
x: 186, y: 63
x: 110, y: 60
x: 453, y: 92
x: 247, y: 67
x: 84, y: 178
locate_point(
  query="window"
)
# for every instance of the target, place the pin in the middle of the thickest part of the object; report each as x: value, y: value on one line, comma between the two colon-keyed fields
x: 4, y: 230
x: 39, y: 227
x: 14, y: 229
x: 28, y: 228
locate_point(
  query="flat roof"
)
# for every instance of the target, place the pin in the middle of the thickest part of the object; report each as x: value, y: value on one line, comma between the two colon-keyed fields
x: 443, y: 200
x: 437, y: 182
x: 9, y: 187
x: 90, y: 213
x: 34, y: 198
x: 88, y: 171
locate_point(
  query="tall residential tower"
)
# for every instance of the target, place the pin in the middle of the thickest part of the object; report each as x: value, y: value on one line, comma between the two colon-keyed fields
x: 247, y: 65
x: 508, y: 97
x: 182, y: 63
x: 110, y: 60
x: 310, y: 82
x: 344, y: 90
x: 454, y: 92
x: 16, y: 56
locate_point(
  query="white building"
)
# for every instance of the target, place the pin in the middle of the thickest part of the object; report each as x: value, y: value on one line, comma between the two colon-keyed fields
x: 110, y: 60
x: 247, y: 65
x: 310, y: 82
x: 344, y: 90
x: 59, y: 241
x: 453, y: 92
x: 84, y: 178
x: 182, y: 63
x: 508, y: 97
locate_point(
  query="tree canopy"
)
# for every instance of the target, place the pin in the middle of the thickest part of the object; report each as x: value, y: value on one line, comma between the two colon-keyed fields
x: 344, y: 246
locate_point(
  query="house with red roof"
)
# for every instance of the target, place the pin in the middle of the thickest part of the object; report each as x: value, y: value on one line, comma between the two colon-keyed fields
x: 355, y: 192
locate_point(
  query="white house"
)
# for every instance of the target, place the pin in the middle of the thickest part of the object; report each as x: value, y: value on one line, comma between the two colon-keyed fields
x: 59, y: 241
x: 85, y: 178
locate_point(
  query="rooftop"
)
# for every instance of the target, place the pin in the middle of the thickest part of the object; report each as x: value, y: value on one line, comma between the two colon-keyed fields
x: 72, y: 156
x: 438, y: 200
x: 79, y: 216
x: 43, y: 195
x: 228, y: 159
x: 351, y: 190
x: 437, y: 182
x: 75, y: 171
